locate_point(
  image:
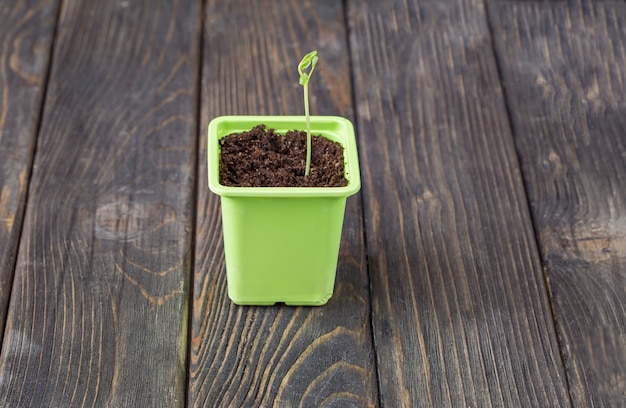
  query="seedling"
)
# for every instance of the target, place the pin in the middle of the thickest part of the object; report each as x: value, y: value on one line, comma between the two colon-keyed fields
x: 309, y: 60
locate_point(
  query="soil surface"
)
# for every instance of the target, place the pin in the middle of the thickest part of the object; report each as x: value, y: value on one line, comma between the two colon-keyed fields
x: 262, y: 158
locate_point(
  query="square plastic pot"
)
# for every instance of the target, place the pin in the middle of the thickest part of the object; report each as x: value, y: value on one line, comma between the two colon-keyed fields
x: 281, y: 244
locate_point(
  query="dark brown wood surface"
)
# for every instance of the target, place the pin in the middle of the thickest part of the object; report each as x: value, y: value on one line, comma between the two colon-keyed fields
x: 460, y: 313
x: 277, y: 356
x: 563, y: 68
x: 24, y: 55
x: 481, y: 265
x: 98, y: 312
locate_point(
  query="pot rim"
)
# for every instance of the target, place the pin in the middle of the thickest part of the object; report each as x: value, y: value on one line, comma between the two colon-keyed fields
x: 335, y: 128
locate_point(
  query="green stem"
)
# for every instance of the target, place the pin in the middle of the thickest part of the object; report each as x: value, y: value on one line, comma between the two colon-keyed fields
x: 307, y: 170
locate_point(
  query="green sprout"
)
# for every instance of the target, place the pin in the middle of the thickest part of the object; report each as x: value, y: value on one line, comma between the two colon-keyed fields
x: 309, y: 60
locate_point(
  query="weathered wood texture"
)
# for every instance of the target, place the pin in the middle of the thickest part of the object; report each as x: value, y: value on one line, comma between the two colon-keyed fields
x: 460, y: 309
x: 277, y: 356
x: 26, y: 35
x: 98, y: 312
x: 563, y: 65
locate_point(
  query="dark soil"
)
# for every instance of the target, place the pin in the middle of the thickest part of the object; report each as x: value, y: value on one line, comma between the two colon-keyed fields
x: 262, y: 158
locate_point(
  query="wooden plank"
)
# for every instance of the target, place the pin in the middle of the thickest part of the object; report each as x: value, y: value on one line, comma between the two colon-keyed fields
x: 460, y: 309
x: 563, y: 68
x: 98, y: 313
x: 277, y: 356
x: 25, y: 39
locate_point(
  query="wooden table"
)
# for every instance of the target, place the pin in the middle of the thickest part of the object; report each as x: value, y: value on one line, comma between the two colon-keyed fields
x: 482, y: 264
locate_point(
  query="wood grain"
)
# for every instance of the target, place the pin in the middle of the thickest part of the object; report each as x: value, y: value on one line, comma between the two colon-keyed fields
x: 98, y: 312
x: 277, y: 356
x: 563, y: 67
x: 460, y: 309
x: 24, y: 55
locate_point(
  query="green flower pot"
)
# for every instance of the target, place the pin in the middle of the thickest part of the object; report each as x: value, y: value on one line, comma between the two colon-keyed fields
x: 282, y: 243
